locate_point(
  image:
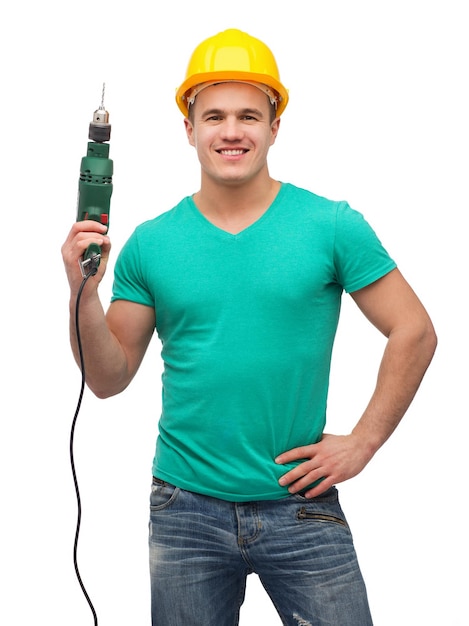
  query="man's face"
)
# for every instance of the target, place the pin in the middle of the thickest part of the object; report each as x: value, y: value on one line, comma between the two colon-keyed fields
x: 232, y: 131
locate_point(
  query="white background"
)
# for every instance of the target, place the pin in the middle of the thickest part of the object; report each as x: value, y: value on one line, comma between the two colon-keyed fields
x: 378, y: 116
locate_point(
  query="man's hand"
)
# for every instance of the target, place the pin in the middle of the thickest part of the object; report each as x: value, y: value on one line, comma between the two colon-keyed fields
x: 334, y: 459
x: 81, y: 235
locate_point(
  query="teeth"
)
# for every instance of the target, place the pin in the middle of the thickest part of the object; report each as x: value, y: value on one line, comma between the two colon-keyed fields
x: 232, y: 152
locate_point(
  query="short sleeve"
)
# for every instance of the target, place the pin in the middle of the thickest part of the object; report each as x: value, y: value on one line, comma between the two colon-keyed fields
x: 359, y: 256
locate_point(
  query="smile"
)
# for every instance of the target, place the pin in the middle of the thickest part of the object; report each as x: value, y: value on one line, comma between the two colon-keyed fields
x: 232, y: 152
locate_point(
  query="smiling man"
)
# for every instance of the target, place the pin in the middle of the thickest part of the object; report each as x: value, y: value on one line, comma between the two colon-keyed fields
x: 243, y: 282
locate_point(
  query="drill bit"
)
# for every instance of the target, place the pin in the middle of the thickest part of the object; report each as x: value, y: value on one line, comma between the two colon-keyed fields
x: 102, y: 98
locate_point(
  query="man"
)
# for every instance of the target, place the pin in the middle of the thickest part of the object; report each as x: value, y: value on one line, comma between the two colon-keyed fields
x: 243, y: 283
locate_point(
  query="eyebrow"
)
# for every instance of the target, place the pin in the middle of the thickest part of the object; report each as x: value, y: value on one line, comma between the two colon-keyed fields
x: 246, y: 111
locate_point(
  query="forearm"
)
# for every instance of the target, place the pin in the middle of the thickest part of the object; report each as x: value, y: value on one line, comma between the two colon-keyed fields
x: 104, y: 360
x: 113, y: 343
x: 405, y: 360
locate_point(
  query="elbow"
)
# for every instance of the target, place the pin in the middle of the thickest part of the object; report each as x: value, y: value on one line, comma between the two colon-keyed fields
x: 103, y: 394
x: 105, y: 382
x: 105, y: 391
x: 428, y: 341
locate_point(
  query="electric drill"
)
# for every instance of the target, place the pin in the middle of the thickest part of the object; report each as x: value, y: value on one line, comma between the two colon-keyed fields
x: 95, y: 184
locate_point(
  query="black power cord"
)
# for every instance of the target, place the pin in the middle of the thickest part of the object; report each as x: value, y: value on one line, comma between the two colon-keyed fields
x: 72, y: 435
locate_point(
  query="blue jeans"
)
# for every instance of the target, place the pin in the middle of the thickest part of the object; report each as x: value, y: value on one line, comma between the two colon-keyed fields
x: 202, y: 549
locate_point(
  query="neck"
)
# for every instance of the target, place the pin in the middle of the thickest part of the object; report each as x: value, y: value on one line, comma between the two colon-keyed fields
x: 234, y: 208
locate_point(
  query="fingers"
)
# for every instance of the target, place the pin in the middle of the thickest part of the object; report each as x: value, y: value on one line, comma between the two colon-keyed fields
x: 334, y: 459
x: 81, y: 235
x: 301, y: 476
x: 321, y: 487
x: 316, y: 468
x: 297, y: 481
x: 84, y: 233
x: 303, y: 452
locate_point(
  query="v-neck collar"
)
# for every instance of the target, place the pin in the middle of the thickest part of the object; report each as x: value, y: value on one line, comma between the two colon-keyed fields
x: 225, y: 233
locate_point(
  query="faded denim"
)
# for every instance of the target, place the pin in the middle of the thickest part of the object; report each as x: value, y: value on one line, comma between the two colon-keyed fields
x: 202, y: 549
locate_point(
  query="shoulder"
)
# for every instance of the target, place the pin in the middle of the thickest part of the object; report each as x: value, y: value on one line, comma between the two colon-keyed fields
x: 293, y: 193
x: 312, y: 209
x: 166, y: 220
x: 337, y: 211
x: 312, y: 203
x: 164, y: 230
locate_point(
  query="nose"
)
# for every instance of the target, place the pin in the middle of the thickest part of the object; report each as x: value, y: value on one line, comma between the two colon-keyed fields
x: 231, y: 129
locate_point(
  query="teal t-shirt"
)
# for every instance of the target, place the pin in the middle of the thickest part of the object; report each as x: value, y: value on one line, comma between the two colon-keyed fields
x: 247, y: 324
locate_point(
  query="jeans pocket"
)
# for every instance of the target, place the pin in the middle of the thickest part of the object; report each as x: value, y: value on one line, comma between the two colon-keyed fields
x: 320, y: 516
x: 162, y: 495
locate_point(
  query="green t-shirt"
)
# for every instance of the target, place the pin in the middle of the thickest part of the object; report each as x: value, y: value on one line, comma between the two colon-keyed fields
x: 247, y: 323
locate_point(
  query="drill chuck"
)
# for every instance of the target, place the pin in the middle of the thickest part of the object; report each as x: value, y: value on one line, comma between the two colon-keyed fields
x: 100, y: 129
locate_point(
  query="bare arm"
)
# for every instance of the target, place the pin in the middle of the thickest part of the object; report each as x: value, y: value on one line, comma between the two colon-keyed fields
x: 392, y: 306
x: 113, y: 343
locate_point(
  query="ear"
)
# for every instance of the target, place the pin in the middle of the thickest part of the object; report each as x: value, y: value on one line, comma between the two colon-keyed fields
x: 274, y: 128
x: 189, y: 131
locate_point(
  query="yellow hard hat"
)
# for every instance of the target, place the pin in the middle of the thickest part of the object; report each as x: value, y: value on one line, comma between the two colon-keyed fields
x: 232, y: 55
